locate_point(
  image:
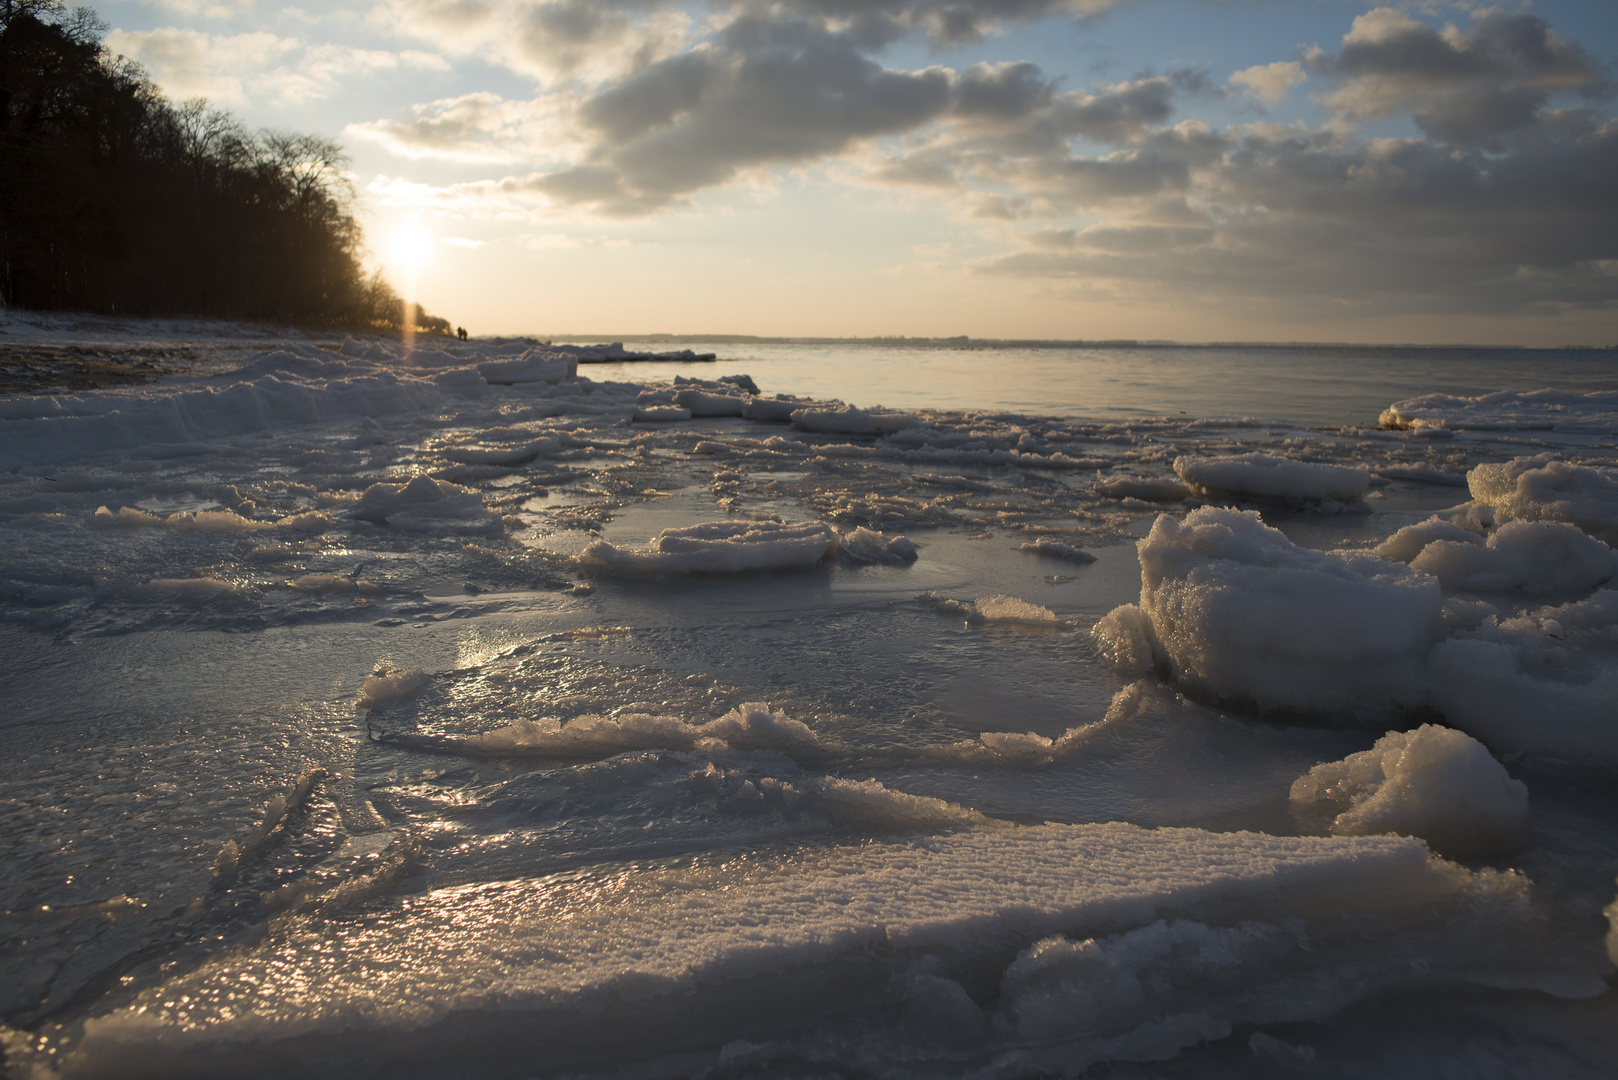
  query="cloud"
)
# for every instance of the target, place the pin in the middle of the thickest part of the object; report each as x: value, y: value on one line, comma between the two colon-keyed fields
x: 553, y: 41
x: 211, y: 9
x: 1318, y: 225
x: 1270, y: 82
x: 1467, y: 88
x: 479, y: 127
x: 236, y: 68
x: 557, y: 40
x: 1503, y: 202
x: 762, y: 93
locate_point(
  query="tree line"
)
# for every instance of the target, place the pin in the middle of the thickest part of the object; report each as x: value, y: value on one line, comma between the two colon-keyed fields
x: 114, y: 199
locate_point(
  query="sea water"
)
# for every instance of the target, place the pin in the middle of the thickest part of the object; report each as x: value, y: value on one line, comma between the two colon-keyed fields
x: 356, y: 725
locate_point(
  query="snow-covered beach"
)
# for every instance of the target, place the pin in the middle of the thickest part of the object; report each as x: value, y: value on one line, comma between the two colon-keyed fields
x: 469, y: 709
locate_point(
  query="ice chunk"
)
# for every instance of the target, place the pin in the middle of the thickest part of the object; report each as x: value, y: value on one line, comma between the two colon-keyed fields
x: 869, y: 546
x: 1136, y: 487
x: 502, y: 456
x: 1057, y: 550
x: 1409, y: 541
x: 1505, y: 693
x: 1538, y: 557
x: 866, y: 804
x: 216, y: 521
x: 1536, y: 410
x: 751, y: 726
x: 422, y: 504
x: 1027, y: 748
x: 203, y: 521
x: 851, y: 421
x: 999, y: 608
x: 534, y: 366
x: 1541, y: 488
x: 1123, y: 637
x: 1265, y: 476
x: 660, y: 414
x: 1434, y: 783
x: 778, y: 408
x: 1011, y: 609
x: 721, y: 547
x: 467, y: 382
x: 703, y: 403
x: 127, y: 517
x: 1236, y: 610
x: 754, y: 725
x: 386, y: 685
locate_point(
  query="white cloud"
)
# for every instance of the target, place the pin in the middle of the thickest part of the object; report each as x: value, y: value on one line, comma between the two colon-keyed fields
x: 553, y: 41
x: 209, y: 9
x: 1270, y: 82
x: 472, y: 128
x: 236, y: 68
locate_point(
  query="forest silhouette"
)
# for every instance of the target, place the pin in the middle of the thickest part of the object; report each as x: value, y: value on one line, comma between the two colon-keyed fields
x: 114, y: 199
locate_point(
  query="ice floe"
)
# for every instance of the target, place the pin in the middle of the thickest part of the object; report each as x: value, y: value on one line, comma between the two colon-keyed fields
x: 1434, y: 783
x: 1044, y: 545
x: 1542, y: 488
x: 750, y: 726
x: 1534, y: 557
x: 1537, y: 410
x: 1118, y: 937
x: 422, y: 504
x: 851, y: 421
x: 720, y: 547
x: 1232, y: 608
x: 1544, y: 682
x: 1265, y: 476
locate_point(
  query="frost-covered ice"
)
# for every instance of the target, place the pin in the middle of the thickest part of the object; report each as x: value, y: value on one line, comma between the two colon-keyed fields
x: 1044, y: 545
x: 1266, y: 476
x: 354, y: 725
x: 720, y: 548
x: 1542, y: 488
x: 1544, y: 681
x: 851, y: 421
x: 1538, y: 410
x: 1433, y: 783
x: 1232, y: 608
x: 1539, y: 558
x: 1147, y: 966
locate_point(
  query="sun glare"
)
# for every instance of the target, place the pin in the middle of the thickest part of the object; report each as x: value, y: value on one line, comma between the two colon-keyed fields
x: 410, y: 248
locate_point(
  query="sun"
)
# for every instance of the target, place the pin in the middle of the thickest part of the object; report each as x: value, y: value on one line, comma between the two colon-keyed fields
x: 410, y: 248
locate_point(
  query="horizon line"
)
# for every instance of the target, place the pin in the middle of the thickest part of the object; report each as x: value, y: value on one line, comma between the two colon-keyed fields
x: 964, y: 339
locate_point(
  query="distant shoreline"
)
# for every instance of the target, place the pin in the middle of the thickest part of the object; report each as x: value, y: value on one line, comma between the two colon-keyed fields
x: 962, y: 341
x: 84, y: 327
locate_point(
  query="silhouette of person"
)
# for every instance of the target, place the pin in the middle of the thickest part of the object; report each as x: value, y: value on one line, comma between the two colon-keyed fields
x: 460, y: 332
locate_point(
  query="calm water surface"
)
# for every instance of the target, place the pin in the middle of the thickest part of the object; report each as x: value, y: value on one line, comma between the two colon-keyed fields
x: 1312, y: 384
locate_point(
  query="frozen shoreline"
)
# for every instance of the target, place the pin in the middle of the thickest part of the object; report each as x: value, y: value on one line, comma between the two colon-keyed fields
x: 821, y: 711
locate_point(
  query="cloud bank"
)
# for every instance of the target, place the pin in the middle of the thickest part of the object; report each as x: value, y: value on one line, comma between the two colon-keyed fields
x: 1459, y: 168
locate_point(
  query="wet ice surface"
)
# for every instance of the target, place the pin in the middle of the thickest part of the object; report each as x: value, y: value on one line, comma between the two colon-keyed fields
x: 434, y: 715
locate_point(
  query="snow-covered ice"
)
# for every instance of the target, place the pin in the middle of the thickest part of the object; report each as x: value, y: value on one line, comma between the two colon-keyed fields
x: 1537, y: 410
x: 1266, y: 476
x: 1434, y: 783
x: 719, y: 548
x: 1543, y: 488
x: 1233, y: 609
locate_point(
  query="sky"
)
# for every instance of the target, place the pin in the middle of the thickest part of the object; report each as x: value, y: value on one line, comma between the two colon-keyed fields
x: 1190, y: 170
